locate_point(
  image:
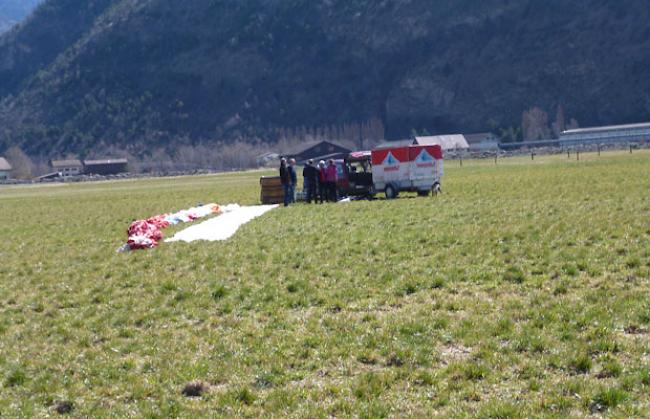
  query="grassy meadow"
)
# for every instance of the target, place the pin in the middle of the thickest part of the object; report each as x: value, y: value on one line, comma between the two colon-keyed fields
x: 521, y: 290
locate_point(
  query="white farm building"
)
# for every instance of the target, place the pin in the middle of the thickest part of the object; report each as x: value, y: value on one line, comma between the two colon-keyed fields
x: 633, y: 133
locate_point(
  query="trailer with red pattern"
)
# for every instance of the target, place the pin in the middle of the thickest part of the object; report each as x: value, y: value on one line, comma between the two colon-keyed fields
x: 413, y: 168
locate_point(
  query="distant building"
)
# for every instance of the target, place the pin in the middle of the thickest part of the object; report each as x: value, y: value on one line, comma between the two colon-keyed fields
x: 70, y: 167
x: 447, y: 142
x: 632, y: 133
x: 267, y: 158
x: 396, y: 143
x: 317, y: 150
x: 5, y: 169
x: 106, y: 167
x: 484, y: 141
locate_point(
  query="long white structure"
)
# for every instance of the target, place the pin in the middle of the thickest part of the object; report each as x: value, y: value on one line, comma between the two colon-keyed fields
x: 632, y: 133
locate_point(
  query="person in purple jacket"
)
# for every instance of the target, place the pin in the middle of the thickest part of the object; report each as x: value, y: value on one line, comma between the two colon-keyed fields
x: 331, y: 178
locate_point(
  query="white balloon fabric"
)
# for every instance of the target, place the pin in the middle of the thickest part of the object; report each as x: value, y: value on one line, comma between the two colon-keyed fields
x: 224, y: 226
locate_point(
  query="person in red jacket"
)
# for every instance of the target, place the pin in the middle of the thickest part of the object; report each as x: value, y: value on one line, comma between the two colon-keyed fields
x: 331, y: 178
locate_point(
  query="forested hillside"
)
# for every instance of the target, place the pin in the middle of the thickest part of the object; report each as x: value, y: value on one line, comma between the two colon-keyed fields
x: 159, y: 72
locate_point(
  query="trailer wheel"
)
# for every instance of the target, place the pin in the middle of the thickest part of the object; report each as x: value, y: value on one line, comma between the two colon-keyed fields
x: 391, y: 192
x: 423, y: 193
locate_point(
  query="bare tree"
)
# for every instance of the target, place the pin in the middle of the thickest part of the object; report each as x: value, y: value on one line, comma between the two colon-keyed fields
x: 573, y: 124
x: 158, y: 161
x: 534, y: 123
x: 21, y: 163
x: 189, y: 157
x: 560, y: 123
x: 41, y: 167
x: 511, y: 134
x: 239, y: 155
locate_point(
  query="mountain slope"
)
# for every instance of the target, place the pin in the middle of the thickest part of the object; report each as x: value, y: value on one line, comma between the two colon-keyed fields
x: 151, y: 72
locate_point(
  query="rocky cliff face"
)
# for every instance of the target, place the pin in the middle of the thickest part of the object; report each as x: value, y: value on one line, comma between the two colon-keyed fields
x: 151, y: 72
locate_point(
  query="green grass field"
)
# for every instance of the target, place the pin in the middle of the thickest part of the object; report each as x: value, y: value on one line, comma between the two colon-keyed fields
x: 522, y: 290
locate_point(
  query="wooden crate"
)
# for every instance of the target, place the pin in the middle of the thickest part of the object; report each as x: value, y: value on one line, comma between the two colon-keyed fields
x: 269, y: 181
x: 271, y: 190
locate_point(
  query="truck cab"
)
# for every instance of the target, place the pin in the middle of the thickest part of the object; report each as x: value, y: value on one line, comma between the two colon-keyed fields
x: 355, y: 175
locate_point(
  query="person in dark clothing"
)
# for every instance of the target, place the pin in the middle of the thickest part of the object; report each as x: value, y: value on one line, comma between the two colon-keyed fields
x: 294, y: 180
x: 285, y: 178
x: 310, y: 176
x: 305, y: 180
x: 322, y: 182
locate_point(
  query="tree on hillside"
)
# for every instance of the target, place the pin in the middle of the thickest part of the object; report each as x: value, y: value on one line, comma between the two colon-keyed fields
x: 358, y: 134
x: 158, y: 161
x: 511, y: 134
x: 560, y: 122
x: 534, y: 123
x: 21, y: 163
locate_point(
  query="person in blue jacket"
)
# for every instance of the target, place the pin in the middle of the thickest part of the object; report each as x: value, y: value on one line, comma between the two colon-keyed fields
x: 285, y: 178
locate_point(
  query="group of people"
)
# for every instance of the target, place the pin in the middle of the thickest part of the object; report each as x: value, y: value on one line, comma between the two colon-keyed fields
x: 319, y: 181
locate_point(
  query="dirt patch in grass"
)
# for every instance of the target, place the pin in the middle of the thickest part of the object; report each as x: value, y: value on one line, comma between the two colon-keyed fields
x: 195, y: 389
x: 454, y: 353
x: 63, y: 407
x: 636, y: 330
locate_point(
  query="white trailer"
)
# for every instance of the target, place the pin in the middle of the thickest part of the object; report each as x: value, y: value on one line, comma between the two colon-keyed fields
x: 411, y: 168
